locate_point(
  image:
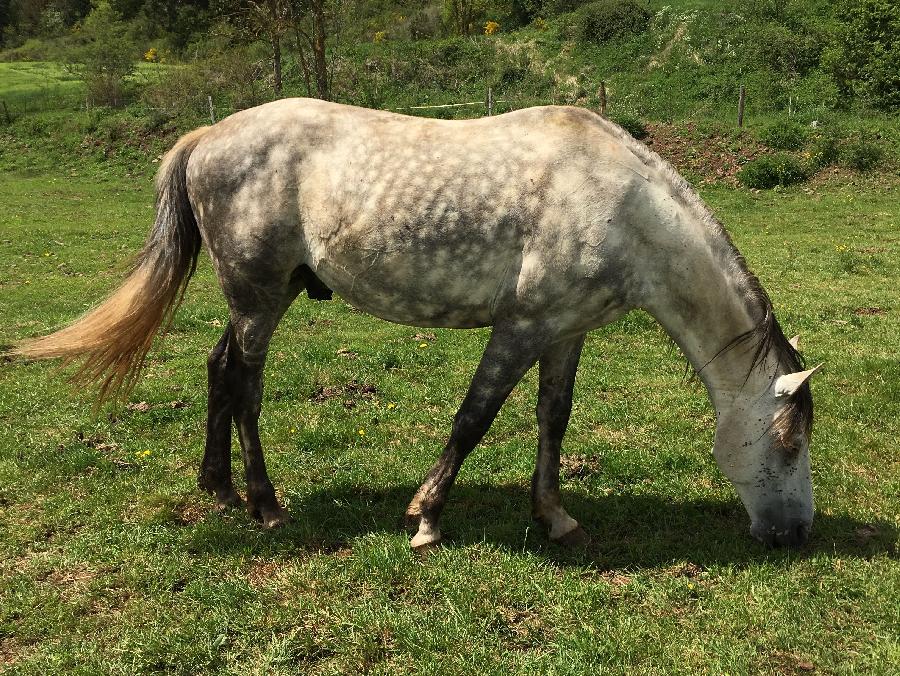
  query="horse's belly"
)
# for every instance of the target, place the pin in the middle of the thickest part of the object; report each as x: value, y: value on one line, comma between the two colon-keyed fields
x: 406, y: 286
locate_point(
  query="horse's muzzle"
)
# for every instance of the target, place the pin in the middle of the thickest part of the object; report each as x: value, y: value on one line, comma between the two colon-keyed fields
x: 792, y: 534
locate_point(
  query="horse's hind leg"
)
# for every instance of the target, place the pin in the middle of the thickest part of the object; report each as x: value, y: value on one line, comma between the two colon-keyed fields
x: 253, y: 326
x: 215, y: 470
x: 511, y: 351
x: 557, y: 379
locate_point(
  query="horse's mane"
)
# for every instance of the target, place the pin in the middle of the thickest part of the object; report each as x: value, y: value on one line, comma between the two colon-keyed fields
x: 766, y: 337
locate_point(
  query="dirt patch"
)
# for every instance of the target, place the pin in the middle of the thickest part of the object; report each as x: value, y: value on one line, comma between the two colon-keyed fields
x: 187, y: 513
x: 523, y: 628
x: 579, y: 466
x: 865, y: 533
x: 143, y: 406
x: 710, y: 156
x: 12, y: 651
x: 789, y: 663
x: 869, y: 311
x: 351, y: 393
x: 615, y: 578
x: 688, y: 570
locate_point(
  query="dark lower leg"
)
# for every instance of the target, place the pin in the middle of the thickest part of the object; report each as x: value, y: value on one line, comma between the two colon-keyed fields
x: 557, y: 379
x: 507, y: 357
x: 215, y: 469
x: 261, y: 501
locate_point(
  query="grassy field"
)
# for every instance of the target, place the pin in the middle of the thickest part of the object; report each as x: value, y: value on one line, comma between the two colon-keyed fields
x: 112, y: 561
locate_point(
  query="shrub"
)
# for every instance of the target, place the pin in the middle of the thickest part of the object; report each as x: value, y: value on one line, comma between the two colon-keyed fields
x: 771, y: 170
x: 863, y: 59
x: 824, y: 150
x: 784, y: 135
x: 106, y: 61
x: 630, y: 123
x: 860, y: 154
x: 600, y: 22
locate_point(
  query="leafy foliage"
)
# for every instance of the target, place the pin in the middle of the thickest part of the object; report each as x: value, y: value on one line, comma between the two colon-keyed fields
x: 602, y: 21
x: 860, y: 154
x: 769, y: 171
x: 630, y: 123
x: 784, y: 134
x: 107, y: 59
x: 865, y: 59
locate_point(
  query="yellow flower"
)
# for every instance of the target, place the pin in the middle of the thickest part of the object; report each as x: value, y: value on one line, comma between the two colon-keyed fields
x: 151, y: 55
x: 380, y: 36
x: 491, y: 27
x: 293, y: 430
x: 392, y: 405
x: 142, y: 454
x: 423, y: 345
x: 540, y: 24
x: 362, y: 433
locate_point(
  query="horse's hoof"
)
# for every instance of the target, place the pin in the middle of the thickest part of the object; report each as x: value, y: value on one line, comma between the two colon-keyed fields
x: 229, y: 499
x: 426, y: 538
x: 574, y: 539
x: 270, y: 517
x: 426, y: 548
x: 411, y: 522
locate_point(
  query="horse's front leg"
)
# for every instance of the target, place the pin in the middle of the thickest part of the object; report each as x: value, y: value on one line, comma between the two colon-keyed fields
x: 557, y: 380
x: 511, y: 351
x: 215, y: 470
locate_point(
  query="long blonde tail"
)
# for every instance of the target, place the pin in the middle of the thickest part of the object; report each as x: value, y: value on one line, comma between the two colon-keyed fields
x: 112, y: 340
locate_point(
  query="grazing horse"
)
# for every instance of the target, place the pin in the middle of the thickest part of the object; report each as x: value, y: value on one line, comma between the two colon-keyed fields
x: 542, y: 223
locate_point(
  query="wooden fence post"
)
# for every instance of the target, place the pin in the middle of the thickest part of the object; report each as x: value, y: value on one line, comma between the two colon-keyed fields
x: 602, y: 96
x: 489, y: 101
x: 741, y: 98
x: 212, y: 111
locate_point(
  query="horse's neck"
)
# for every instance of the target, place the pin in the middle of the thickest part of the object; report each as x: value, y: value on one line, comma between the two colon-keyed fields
x: 704, y: 299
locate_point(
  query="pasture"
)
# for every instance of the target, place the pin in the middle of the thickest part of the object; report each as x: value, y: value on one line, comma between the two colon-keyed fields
x: 112, y: 561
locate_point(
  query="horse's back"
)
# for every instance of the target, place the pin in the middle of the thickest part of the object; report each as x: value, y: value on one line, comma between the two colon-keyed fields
x: 422, y: 221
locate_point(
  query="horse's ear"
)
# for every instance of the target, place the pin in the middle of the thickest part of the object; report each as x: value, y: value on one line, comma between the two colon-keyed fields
x: 787, y: 384
x: 795, y: 342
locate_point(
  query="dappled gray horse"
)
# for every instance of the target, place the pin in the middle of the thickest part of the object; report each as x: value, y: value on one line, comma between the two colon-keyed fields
x: 542, y: 223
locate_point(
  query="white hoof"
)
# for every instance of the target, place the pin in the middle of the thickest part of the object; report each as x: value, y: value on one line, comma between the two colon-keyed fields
x: 427, y: 536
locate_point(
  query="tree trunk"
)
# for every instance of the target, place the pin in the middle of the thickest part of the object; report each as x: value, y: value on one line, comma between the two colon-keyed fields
x: 276, y: 62
x: 301, y: 38
x: 320, y: 64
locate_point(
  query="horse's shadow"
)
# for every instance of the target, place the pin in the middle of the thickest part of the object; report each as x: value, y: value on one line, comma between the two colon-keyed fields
x: 627, y: 531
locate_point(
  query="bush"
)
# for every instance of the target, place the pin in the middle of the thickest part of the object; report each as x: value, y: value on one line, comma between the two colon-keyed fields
x: 824, y: 150
x: 784, y: 135
x: 630, y: 123
x: 860, y: 154
x: 106, y: 61
x: 863, y: 59
x: 600, y: 22
x: 771, y: 170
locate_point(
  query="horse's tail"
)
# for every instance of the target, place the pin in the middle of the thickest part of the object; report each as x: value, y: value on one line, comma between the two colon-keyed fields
x: 112, y: 340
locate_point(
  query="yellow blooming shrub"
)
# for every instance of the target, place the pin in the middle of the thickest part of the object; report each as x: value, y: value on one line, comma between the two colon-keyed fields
x: 380, y: 36
x: 151, y: 55
x: 491, y: 27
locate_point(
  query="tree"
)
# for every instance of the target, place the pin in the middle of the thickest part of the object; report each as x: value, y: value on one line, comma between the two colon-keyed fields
x: 107, y: 59
x: 314, y: 21
x: 273, y: 18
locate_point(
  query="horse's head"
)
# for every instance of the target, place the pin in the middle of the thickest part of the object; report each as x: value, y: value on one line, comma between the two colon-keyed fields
x: 762, y: 446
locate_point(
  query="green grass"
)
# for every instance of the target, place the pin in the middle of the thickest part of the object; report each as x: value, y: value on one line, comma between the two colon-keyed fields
x: 112, y: 561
